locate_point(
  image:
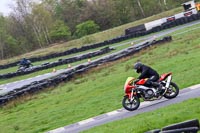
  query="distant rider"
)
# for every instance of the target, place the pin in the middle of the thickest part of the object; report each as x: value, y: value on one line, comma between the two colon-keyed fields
x: 24, y: 62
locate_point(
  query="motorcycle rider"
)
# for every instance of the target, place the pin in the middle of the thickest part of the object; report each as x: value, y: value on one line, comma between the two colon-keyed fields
x: 148, y: 72
x: 25, y: 62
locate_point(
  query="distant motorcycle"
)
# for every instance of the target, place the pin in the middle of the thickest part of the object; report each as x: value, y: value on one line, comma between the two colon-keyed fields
x: 136, y: 90
x: 24, y: 67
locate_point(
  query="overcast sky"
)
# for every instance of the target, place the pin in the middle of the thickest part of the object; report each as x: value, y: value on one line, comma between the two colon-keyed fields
x: 5, y: 6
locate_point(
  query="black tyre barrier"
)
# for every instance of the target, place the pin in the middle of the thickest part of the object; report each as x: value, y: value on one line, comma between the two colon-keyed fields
x: 198, y: 15
x: 185, y: 124
x: 66, y: 76
x: 182, y: 20
x: 185, y: 19
x: 172, y: 24
x: 56, y: 63
x: 163, y: 26
x: 194, y: 17
x: 179, y: 21
x: 157, y: 29
x: 190, y: 19
x: 138, y: 28
x: 183, y: 130
x: 190, y: 126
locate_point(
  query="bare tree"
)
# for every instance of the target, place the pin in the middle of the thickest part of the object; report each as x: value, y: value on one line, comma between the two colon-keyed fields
x: 141, y: 9
x: 35, y: 20
x: 165, y: 3
x: 21, y: 15
x: 2, y: 36
x: 42, y: 22
x: 2, y: 45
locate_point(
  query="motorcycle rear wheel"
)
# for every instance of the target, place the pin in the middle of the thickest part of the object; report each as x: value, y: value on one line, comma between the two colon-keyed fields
x: 172, y: 91
x: 130, y: 106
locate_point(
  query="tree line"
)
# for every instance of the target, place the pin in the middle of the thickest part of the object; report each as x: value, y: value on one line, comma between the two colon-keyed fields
x: 32, y: 25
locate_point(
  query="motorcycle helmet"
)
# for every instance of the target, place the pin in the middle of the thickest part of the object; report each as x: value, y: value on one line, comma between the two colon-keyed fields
x: 137, y: 66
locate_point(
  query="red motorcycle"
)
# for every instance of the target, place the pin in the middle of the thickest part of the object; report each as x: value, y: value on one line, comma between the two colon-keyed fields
x: 136, y: 90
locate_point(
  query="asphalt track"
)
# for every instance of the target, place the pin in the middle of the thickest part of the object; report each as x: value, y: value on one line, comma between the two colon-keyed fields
x: 5, y: 88
x: 185, y: 94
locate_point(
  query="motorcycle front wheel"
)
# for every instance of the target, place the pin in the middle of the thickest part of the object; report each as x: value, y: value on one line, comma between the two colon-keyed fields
x: 172, y: 91
x: 130, y: 105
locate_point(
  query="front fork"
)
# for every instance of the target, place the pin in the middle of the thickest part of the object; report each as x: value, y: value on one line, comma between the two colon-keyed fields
x: 131, y: 95
x: 169, y: 78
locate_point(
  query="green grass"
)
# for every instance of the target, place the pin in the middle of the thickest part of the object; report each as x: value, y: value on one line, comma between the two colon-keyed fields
x: 100, y: 90
x: 162, y: 117
x: 94, y: 38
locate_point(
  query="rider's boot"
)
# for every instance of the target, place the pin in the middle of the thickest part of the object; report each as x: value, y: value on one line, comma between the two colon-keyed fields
x: 158, y: 86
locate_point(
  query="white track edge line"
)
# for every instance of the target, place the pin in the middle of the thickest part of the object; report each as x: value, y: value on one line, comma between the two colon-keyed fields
x: 57, y: 130
x: 85, y: 121
x: 194, y: 87
x: 112, y: 113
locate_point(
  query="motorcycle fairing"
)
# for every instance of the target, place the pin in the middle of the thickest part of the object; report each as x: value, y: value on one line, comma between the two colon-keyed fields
x: 142, y: 81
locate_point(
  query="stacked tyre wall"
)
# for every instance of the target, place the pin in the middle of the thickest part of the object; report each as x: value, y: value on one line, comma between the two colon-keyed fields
x: 66, y: 76
x: 134, y: 32
x: 190, y: 126
x: 56, y: 63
